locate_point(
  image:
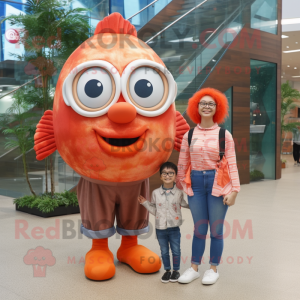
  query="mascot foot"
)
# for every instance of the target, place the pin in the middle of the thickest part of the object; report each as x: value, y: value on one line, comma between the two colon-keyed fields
x: 99, y: 261
x: 140, y: 258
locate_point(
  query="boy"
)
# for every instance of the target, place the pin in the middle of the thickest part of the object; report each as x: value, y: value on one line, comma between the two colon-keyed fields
x: 165, y: 205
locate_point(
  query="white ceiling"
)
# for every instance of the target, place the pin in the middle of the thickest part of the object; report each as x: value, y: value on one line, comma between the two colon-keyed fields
x: 291, y: 59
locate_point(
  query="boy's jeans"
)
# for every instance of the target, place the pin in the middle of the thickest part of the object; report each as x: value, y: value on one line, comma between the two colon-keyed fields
x: 165, y: 236
x: 206, y: 209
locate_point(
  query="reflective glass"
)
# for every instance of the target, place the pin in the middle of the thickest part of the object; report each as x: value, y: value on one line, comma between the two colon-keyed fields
x: 264, y: 15
x: 193, y: 46
x: 262, y: 120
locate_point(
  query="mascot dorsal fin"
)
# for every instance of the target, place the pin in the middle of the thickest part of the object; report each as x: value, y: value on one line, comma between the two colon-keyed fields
x: 115, y: 23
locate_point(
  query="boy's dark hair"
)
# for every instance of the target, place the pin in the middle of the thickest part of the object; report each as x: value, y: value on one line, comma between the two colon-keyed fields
x: 168, y: 165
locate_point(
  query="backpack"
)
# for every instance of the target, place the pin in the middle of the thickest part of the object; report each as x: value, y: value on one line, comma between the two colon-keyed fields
x: 221, y: 140
x: 223, y: 177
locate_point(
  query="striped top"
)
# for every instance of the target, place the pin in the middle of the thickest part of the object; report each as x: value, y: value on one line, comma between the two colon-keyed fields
x: 204, y: 155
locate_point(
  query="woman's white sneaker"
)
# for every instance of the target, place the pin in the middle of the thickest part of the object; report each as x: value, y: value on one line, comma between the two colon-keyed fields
x: 210, y: 277
x: 188, y: 276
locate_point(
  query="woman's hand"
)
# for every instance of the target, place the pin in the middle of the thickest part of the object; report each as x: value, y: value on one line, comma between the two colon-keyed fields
x: 141, y: 199
x: 230, y: 199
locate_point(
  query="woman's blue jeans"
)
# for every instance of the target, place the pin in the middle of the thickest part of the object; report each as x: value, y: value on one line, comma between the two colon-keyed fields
x: 206, y: 209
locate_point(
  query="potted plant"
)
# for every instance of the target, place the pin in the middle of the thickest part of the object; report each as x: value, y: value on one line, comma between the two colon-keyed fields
x: 52, y: 30
x: 256, y: 175
x: 283, y: 163
x: 288, y: 97
x: 46, y: 205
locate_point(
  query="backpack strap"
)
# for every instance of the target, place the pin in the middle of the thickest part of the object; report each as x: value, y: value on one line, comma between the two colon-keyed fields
x: 222, y: 142
x: 190, y: 135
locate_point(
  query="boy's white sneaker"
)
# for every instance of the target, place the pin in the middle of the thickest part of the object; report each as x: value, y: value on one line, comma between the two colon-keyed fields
x: 188, y: 276
x: 210, y: 277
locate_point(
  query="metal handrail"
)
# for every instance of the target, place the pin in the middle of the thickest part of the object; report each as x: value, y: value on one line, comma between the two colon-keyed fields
x: 142, y: 9
x: 170, y: 25
x: 209, y: 38
x: 12, y: 149
x: 20, y: 86
x: 22, y: 154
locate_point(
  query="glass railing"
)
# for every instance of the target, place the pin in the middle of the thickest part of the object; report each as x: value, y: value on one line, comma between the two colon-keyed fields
x: 141, y: 10
x: 192, y: 47
x: 181, y: 47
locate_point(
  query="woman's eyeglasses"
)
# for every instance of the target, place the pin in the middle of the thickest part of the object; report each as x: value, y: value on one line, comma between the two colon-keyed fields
x: 170, y: 174
x: 208, y: 104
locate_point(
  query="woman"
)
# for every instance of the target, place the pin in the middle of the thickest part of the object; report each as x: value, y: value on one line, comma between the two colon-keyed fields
x: 207, y: 200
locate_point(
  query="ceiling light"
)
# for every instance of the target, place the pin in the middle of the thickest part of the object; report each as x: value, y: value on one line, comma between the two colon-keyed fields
x: 296, y: 42
x: 287, y: 46
x: 295, y: 68
x: 281, y: 76
x: 291, y: 51
x: 288, y: 66
x: 290, y: 21
x: 284, y: 36
x: 295, y: 76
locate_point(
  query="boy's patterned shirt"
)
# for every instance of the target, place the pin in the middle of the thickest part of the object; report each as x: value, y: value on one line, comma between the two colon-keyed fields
x: 165, y: 206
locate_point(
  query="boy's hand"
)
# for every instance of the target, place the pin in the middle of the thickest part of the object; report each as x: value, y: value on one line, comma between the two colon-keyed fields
x: 141, y: 199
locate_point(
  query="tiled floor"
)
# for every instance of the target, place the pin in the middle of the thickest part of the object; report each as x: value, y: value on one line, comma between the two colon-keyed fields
x: 265, y: 266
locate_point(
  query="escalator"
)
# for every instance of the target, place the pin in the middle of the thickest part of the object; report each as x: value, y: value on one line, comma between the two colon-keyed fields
x: 193, y: 41
x: 190, y: 36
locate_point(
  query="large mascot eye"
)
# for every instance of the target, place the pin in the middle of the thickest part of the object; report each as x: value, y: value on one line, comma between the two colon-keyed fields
x: 93, y: 88
x: 146, y: 87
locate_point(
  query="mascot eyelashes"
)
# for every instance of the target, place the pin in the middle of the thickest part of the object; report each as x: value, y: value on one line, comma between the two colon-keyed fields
x: 114, y: 122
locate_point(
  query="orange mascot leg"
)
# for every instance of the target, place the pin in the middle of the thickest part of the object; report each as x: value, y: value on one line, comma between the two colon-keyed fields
x: 99, y: 261
x: 140, y: 258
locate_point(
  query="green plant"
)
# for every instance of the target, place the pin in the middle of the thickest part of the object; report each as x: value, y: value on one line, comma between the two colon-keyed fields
x: 288, y: 96
x: 52, y: 31
x: 46, y: 202
x: 256, y: 175
x: 283, y: 161
x: 20, y: 129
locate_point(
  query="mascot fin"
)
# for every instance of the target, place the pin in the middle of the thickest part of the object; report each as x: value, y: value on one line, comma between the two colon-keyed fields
x: 115, y: 23
x: 44, y: 141
x: 181, y: 128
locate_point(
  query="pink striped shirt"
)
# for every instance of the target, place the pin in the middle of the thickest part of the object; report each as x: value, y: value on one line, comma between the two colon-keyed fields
x: 204, y: 155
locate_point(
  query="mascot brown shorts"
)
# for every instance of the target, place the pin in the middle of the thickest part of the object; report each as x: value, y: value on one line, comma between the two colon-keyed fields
x: 101, y: 202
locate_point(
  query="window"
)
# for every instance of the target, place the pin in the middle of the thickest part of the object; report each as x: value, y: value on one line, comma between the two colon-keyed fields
x: 264, y: 15
x: 263, y: 100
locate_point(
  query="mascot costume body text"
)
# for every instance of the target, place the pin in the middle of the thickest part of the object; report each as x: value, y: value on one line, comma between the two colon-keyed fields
x: 114, y: 122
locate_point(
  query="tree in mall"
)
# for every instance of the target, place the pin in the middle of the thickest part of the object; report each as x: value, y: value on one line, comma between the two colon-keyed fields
x: 51, y: 31
x: 288, y: 97
x: 18, y: 123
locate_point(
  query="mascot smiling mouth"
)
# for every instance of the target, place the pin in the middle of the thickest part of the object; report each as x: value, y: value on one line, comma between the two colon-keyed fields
x: 120, y: 142
x: 121, y: 146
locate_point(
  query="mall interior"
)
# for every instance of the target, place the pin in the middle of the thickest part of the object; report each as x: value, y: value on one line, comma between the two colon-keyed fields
x: 247, y: 49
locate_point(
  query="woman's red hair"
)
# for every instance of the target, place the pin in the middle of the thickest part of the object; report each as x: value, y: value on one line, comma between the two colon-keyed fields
x: 221, y: 108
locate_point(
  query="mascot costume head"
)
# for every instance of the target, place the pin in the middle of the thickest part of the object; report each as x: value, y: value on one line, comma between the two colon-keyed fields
x: 114, y: 122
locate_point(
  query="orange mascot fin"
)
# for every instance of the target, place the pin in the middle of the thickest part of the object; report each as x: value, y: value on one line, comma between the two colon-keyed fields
x: 181, y: 128
x: 44, y: 141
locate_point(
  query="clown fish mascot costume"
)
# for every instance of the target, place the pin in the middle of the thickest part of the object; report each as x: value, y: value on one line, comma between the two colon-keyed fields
x: 114, y: 122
